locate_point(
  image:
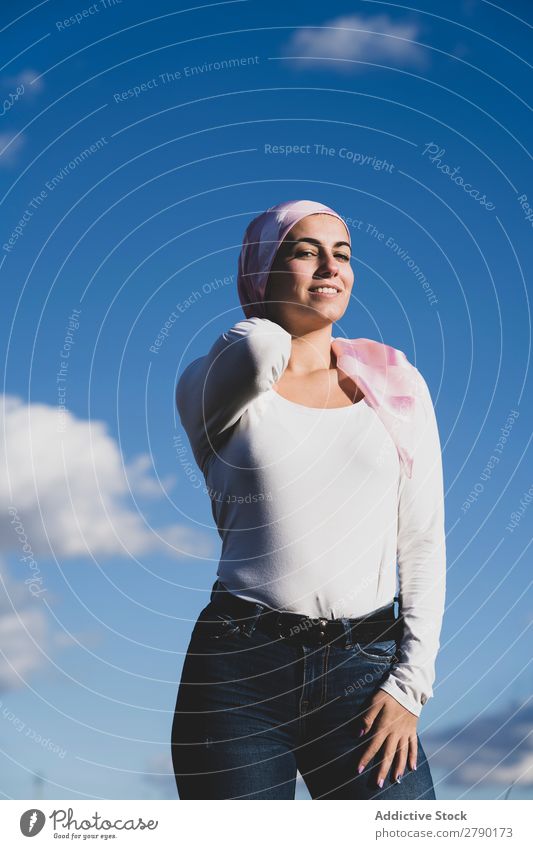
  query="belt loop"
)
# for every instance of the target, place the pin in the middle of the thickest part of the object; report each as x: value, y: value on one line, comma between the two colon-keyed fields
x: 347, y: 632
x: 249, y: 626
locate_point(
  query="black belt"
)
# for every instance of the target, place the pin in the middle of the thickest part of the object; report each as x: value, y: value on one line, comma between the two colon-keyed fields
x: 378, y: 625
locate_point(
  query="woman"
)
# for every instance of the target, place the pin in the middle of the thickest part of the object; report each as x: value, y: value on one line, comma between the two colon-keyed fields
x: 322, y: 459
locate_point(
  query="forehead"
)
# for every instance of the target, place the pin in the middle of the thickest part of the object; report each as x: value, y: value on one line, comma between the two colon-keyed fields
x: 327, y: 228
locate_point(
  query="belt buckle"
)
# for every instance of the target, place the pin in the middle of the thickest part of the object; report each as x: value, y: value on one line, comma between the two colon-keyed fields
x: 320, y: 630
x: 317, y: 629
x: 278, y: 627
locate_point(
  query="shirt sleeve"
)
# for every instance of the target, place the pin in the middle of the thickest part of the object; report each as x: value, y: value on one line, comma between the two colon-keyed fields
x: 421, y: 556
x: 215, y: 390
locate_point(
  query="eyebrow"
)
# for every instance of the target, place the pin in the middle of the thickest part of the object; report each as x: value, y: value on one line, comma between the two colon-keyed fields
x: 316, y: 242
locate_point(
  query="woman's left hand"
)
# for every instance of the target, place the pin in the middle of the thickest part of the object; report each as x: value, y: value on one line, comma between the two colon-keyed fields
x: 394, y: 728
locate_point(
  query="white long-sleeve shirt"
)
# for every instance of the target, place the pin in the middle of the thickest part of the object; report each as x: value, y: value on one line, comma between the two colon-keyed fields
x: 311, y: 505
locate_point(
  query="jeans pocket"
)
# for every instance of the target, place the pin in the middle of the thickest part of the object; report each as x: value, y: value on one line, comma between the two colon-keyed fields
x: 379, y: 651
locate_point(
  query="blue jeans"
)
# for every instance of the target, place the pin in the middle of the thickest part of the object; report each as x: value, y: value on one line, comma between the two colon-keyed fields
x: 252, y: 710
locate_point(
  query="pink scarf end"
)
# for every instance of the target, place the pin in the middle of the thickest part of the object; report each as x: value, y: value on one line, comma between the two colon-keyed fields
x: 390, y: 385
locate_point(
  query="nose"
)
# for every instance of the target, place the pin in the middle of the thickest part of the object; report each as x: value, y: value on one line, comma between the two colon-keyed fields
x: 329, y: 267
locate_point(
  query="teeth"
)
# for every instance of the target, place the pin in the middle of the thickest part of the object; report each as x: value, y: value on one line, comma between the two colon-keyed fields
x: 324, y: 289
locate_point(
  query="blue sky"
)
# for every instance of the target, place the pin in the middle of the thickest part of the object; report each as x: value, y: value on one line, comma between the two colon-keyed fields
x: 136, y: 143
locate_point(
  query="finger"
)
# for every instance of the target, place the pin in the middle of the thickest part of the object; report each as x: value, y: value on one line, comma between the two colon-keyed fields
x: 368, y: 718
x: 370, y: 751
x: 413, y: 751
x: 366, y: 723
x: 400, y: 760
x: 385, y: 763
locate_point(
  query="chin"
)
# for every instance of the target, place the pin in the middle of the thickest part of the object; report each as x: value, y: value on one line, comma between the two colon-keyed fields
x: 331, y: 312
x: 318, y: 316
x: 313, y: 315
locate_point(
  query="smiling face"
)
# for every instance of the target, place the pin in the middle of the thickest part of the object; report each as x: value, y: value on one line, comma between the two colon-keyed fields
x: 314, y: 254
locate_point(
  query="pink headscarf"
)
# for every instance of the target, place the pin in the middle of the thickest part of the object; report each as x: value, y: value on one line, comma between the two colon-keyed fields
x: 260, y: 244
x: 390, y: 383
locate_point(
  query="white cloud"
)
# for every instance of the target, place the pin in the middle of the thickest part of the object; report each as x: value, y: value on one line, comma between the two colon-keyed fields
x: 24, y: 78
x: 23, y: 629
x: 13, y: 90
x: 489, y: 749
x: 140, y: 480
x: 70, y: 491
x: 10, y: 146
x: 376, y: 38
x: 55, y: 489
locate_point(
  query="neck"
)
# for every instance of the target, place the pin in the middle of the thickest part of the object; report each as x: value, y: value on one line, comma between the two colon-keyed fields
x: 311, y: 352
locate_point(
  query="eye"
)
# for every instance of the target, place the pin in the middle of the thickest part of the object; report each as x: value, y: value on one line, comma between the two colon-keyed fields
x: 342, y: 256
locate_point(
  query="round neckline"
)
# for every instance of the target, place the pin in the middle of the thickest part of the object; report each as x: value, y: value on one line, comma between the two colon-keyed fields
x: 316, y: 409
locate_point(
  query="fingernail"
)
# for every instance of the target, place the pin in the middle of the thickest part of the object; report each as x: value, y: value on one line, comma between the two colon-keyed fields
x: 362, y: 731
x: 380, y: 782
x: 414, y: 766
x: 361, y: 768
x: 399, y: 778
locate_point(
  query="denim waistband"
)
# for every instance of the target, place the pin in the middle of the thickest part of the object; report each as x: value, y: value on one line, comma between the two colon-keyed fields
x: 220, y: 591
x: 380, y: 623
